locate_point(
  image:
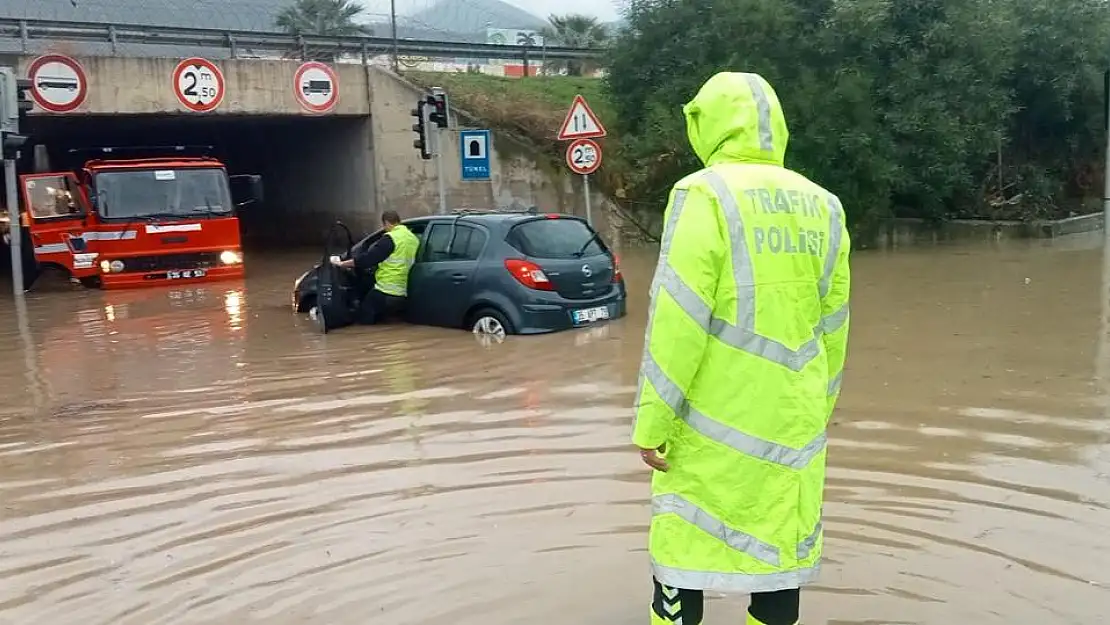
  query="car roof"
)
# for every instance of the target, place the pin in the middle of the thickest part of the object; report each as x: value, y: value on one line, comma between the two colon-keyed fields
x: 491, y: 216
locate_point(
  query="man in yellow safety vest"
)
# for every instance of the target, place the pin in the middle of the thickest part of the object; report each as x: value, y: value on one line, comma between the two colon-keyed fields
x: 389, y: 259
x: 743, y: 356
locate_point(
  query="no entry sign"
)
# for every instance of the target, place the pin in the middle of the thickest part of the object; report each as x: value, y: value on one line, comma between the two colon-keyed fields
x: 316, y: 86
x: 198, y: 84
x: 58, y: 83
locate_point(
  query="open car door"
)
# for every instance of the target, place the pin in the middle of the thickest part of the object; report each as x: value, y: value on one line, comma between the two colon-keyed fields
x: 56, y: 214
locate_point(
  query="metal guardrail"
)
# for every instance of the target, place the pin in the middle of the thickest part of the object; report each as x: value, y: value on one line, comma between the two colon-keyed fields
x: 116, y: 34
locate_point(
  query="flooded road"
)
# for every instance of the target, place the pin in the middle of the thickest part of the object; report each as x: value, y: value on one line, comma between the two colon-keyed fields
x: 199, y: 456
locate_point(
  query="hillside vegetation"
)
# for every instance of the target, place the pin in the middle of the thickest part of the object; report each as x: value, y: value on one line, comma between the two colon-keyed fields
x: 531, y: 107
x: 935, y: 109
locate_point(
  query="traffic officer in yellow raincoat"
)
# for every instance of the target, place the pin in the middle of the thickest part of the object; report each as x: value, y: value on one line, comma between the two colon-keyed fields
x: 745, y: 347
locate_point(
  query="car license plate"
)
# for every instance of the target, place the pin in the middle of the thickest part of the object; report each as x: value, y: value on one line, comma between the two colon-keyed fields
x: 188, y: 273
x: 590, y: 315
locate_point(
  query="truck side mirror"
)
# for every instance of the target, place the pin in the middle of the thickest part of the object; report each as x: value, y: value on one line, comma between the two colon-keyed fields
x: 246, y: 189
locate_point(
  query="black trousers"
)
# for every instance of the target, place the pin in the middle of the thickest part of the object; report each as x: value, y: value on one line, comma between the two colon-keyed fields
x: 683, y: 606
x: 376, y: 307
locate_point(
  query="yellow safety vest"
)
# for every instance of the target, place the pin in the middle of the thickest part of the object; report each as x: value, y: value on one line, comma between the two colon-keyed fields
x: 392, y: 274
x: 744, y: 351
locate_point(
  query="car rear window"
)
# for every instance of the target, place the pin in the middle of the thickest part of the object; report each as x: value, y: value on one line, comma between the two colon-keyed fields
x: 555, y: 238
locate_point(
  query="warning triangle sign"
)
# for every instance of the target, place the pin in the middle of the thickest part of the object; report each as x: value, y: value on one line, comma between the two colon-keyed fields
x: 581, y: 123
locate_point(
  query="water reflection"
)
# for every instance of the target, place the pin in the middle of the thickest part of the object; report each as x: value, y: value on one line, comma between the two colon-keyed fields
x: 199, y: 455
x: 233, y: 304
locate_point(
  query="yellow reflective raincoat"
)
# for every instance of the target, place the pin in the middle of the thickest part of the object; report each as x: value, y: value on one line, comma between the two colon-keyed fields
x: 744, y: 351
x: 392, y: 274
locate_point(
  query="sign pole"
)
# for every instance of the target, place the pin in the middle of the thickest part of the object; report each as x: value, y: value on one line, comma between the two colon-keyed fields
x: 580, y: 127
x: 1103, y: 367
x: 586, y: 190
x: 15, y: 234
x: 440, y: 182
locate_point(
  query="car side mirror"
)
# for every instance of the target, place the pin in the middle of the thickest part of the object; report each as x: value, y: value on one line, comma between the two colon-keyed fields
x: 246, y: 189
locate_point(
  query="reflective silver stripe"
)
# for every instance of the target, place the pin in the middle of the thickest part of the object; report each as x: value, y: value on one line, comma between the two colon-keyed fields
x: 391, y: 289
x: 167, y: 228
x: 763, y: 108
x: 699, y: 518
x: 397, y: 261
x: 51, y: 248
x: 734, y: 582
x: 661, y: 264
x: 667, y: 390
x: 742, y: 335
x: 836, y: 213
x: 747, y: 444
x: 690, y: 302
x: 834, y: 383
x: 835, y: 320
x: 805, y: 548
x: 111, y: 235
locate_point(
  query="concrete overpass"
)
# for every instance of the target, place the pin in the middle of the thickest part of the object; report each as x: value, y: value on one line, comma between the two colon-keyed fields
x: 348, y: 163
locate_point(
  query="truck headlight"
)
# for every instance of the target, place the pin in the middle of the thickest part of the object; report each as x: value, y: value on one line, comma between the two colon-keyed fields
x: 114, y: 266
x: 229, y: 257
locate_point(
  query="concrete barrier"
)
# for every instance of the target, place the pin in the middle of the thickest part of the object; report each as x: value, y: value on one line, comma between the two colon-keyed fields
x: 902, y: 232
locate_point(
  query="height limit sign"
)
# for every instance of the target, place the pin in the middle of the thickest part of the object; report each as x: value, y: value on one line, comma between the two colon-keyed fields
x: 581, y: 127
x: 583, y: 156
x: 198, y: 84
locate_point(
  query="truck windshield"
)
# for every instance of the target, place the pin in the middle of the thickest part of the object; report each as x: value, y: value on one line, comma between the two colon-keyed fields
x: 189, y: 192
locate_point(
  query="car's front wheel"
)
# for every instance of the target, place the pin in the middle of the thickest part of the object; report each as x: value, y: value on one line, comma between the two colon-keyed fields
x: 489, y: 323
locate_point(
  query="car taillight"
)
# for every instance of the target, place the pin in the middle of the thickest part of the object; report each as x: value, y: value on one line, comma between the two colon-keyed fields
x: 528, y: 274
x: 616, y: 269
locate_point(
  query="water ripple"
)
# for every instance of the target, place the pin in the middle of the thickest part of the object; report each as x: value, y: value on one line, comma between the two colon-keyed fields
x: 200, y: 457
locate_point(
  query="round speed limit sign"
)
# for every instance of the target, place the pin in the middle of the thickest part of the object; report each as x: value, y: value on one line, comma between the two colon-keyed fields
x: 198, y: 84
x: 583, y: 156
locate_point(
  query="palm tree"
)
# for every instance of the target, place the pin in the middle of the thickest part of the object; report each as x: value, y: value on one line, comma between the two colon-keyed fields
x: 576, y: 31
x: 525, y: 40
x: 330, y: 18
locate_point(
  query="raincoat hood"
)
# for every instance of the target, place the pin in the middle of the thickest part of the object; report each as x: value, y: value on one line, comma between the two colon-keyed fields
x: 736, y: 117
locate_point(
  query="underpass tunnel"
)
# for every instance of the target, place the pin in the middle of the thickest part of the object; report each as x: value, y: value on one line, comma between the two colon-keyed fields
x: 314, y: 169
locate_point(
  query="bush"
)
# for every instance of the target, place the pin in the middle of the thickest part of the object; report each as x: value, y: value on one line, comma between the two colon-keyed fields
x: 899, y: 106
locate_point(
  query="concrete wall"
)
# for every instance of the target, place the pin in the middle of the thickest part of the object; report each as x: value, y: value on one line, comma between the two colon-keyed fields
x: 316, y: 174
x: 904, y: 232
x: 130, y: 85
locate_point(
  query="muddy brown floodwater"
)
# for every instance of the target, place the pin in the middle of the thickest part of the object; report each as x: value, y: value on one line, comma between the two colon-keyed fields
x: 199, y: 456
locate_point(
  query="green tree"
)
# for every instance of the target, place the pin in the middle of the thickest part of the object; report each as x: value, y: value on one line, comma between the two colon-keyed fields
x: 1055, y: 139
x: 330, y: 18
x: 899, y: 106
x: 575, y: 31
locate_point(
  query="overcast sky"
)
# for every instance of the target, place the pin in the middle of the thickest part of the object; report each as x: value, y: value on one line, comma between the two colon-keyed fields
x: 606, y: 10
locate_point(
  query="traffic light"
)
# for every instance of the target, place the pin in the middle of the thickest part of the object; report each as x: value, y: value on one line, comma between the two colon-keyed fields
x: 438, y: 102
x: 23, y: 98
x: 421, y: 130
x: 15, y: 103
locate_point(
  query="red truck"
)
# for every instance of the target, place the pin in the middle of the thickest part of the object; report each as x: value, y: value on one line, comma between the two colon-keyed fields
x: 135, y: 222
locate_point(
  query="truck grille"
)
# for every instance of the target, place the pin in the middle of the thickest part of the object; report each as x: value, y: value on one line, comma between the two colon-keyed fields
x: 169, y: 262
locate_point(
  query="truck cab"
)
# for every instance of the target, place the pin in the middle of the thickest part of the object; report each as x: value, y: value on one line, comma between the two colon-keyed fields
x: 122, y: 223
